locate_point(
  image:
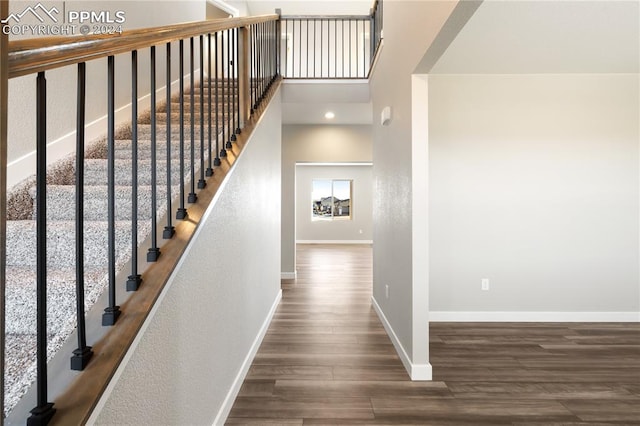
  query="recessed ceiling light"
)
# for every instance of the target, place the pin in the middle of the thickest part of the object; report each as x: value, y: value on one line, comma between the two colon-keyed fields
x: 329, y: 115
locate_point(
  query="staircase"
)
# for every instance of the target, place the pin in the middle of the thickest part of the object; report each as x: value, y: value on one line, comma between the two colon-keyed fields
x: 20, y: 368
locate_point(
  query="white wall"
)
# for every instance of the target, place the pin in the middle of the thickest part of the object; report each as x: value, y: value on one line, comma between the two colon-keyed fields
x: 534, y: 185
x: 409, y: 29
x: 61, y: 84
x: 318, y: 144
x: 358, y: 228
x: 199, y: 337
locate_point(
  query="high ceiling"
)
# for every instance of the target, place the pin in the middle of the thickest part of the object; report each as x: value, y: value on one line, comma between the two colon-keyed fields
x: 501, y: 37
x: 516, y: 37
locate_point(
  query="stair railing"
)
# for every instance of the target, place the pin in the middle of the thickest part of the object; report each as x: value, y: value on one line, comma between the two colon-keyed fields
x: 243, y: 52
x: 330, y: 46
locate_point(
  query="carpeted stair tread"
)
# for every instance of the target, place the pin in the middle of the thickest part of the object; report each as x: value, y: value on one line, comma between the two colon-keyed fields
x: 96, y: 171
x: 144, y: 131
x: 124, y: 148
x: 61, y: 291
x: 61, y: 204
x: 21, y: 242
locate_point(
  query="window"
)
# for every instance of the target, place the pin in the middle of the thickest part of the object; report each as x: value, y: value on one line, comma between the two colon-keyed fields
x: 331, y: 199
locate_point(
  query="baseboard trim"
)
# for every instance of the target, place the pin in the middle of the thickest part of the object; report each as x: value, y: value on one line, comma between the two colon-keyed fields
x: 446, y: 316
x: 416, y: 371
x: 289, y: 275
x: 225, y: 409
x: 25, y: 166
x: 334, y: 241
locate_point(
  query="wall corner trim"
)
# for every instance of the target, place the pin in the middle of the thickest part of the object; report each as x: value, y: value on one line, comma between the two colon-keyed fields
x: 416, y: 371
x: 225, y: 409
x: 289, y: 275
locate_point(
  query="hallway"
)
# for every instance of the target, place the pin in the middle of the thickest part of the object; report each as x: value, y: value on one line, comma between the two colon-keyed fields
x: 326, y: 354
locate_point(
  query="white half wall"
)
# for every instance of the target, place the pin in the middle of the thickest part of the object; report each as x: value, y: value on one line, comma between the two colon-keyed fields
x: 534, y: 185
x: 187, y: 363
x: 358, y: 228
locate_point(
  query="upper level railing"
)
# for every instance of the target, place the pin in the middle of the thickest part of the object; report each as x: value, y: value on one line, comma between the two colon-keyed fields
x: 330, y: 46
x: 230, y: 65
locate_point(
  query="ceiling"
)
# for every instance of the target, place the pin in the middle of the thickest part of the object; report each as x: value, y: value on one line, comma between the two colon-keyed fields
x: 500, y: 37
x: 529, y: 37
x: 306, y: 102
x: 310, y: 7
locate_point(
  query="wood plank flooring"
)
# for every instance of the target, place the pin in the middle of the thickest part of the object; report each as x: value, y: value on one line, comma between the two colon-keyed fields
x: 326, y: 360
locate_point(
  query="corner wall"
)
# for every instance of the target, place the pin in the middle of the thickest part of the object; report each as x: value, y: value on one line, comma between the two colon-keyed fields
x: 534, y: 184
x: 188, y: 362
x: 409, y: 29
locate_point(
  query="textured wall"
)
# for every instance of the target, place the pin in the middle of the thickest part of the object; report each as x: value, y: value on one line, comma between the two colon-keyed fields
x: 392, y: 156
x: 534, y: 185
x: 202, y: 328
x: 314, y: 143
x: 359, y: 227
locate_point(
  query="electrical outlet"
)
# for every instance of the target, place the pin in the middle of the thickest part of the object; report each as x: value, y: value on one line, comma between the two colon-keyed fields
x: 386, y: 291
x: 485, y: 284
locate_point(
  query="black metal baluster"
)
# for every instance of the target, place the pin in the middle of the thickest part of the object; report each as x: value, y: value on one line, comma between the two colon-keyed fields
x: 192, y: 195
x: 236, y: 84
x: 83, y: 353
x: 321, y: 47
x: 223, y: 99
x: 350, y: 74
x: 111, y: 312
x: 307, y: 59
x: 300, y: 51
x: 169, y: 230
x: 254, y: 68
x: 229, y: 96
x: 154, y: 252
x: 42, y: 413
x: 342, y: 51
x: 182, y: 211
x: 364, y: 50
x: 209, y: 171
x: 217, y: 161
x: 335, y: 50
x: 134, y: 280
x: 232, y: 119
x: 286, y: 52
x: 201, y: 182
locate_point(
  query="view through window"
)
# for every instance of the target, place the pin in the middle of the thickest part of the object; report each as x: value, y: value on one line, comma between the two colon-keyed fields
x: 331, y: 199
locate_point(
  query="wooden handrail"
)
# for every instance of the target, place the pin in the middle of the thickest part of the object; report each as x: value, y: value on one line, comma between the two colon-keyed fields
x: 41, y: 54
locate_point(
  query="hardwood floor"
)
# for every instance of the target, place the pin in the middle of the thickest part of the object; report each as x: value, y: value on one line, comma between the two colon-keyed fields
x: 326, y: 360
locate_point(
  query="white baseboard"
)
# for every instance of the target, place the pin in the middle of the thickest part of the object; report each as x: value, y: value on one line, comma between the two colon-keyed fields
x: 334, y: 241
x: 225, y: 409
x: 25, y: 166
x: 289, y: 275
x: 416, y: 371
x: 446, y: 316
